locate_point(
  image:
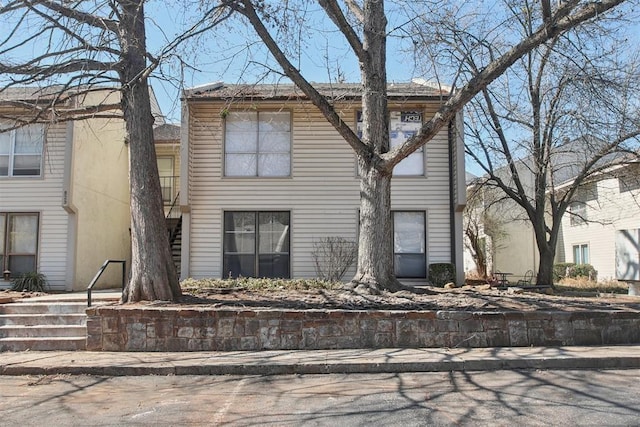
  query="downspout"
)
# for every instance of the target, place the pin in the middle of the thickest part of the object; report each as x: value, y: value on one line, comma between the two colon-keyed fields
x: 185, y: 180
x: 452, y: 208
x: 457, y: 193
x: 69, y: 207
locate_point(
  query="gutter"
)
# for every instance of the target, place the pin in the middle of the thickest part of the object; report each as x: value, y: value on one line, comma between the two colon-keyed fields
x: 452, y: 208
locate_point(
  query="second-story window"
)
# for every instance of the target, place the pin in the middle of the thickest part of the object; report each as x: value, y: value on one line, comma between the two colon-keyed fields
x: 402, y: 126
x: 258, y: 143
x: 21, y: 151
x: 578, y: 212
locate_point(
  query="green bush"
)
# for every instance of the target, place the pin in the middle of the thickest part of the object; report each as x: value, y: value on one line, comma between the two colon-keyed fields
x: 31, y: 282
x: 585, y: 270
x: 569, y: 269
x: 560, y: 270
x: 441, y: 273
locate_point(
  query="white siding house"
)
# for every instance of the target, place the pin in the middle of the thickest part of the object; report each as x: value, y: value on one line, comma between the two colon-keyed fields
x: 264, y: 176
x: 607, y: 210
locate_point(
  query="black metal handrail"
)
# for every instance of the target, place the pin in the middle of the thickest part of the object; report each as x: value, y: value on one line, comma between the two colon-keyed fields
x: 99, y: 273
x: 175, y: 205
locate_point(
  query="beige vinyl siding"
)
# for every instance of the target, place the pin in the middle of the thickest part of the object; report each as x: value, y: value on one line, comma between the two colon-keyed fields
x: 322, y: 193
x: 44, y: 195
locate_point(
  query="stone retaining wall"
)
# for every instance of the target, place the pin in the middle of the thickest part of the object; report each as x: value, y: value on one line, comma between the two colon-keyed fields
x: 148, y: 328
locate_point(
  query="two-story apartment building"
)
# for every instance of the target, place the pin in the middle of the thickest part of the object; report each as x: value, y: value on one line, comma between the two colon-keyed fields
x: 603, y: 225
x: 64, y: 194
x: 600, y: 227
x: 265, y: 176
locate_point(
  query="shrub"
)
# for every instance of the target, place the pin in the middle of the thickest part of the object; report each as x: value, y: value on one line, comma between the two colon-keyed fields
x: 585, y: 270
x: 569, y: 269
x: 561, y: 270
x: 332, y: 257
x: 31, y: 282
x: 441, y: 273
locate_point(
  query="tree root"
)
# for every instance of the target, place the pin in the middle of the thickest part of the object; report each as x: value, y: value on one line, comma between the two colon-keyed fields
x: 370, y: 286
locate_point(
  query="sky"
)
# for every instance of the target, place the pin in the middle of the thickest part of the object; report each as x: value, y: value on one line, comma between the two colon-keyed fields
x: 230, y: 55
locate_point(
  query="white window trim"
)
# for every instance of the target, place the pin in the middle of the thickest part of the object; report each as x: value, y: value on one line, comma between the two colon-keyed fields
x: 256, y: 252
x: 12, y: 154
x: 425, y: 243
x: 580, y: 218
x: 422, y: 149
x: 224, y: 147
x: 4, y: 264
x: 580, y: 247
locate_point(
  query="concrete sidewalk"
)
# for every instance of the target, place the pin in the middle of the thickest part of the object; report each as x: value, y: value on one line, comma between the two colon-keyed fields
x: 318, y: 361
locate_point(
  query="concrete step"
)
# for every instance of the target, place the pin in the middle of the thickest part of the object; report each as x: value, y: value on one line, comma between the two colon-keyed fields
x: 27, y: 307
x: 51, y: 331
x: 43, y: 319
x: 43, y: 344
x: 53, y: 322
x: 64, y: 298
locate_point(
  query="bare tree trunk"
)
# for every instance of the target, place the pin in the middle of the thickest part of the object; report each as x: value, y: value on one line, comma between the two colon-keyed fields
x: 546, y: 248
x: 153, y: 274
x: 478, y: 250
x: 545, y: 267
x: 375, y: 245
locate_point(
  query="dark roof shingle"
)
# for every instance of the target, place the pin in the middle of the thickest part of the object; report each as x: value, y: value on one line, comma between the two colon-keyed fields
x: 166, y: 132
x: 290, y: 91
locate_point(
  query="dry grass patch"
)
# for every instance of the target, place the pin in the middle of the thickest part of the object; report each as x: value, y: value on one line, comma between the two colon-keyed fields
x: 257, y: 284
x: 583, y: 284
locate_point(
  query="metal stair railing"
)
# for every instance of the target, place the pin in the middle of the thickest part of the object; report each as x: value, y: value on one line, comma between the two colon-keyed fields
x: 99, y: 273
x: 174, y: 205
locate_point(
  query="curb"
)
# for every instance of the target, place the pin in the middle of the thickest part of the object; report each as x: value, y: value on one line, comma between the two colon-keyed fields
x: 329, y: 362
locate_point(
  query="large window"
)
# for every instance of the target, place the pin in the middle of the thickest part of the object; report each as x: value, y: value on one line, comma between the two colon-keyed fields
x: 256, y: 244
x: 587, y: 192
x: 21, y: 151
x: 629, y: 179
x: 581, y: 254
x: 409, y: 241
x: 18, y: 242
x: 578, y: 213
x: 402, y: 126
x: 258, y: 143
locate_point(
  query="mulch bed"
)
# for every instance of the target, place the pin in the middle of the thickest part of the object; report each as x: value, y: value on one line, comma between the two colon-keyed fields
x: 468, y: 298
x: 430, y: 298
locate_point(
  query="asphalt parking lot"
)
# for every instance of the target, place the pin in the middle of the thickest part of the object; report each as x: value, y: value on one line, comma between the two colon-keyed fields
x: 530, y: 397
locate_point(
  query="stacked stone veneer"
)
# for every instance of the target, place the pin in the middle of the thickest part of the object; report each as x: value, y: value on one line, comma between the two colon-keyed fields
x: 148, y: 328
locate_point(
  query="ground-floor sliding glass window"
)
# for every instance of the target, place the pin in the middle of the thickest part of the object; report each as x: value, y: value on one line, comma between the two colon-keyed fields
x: 18, y: 242
x: 409, y: 243
x: 256, y: 244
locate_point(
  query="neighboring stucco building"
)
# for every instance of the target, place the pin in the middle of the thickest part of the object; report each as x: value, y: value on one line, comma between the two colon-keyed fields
x: 510, y: 244
x: 64, y: 193
x: 264, y: 176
